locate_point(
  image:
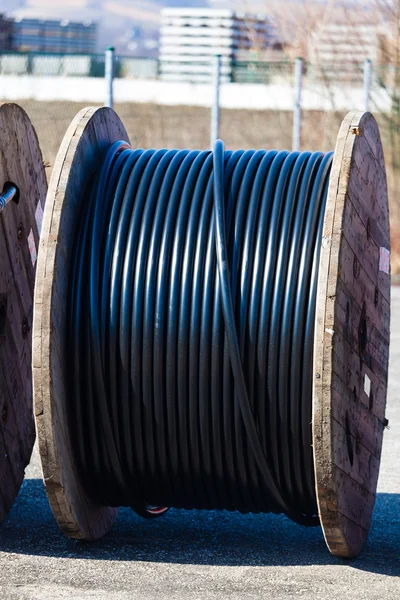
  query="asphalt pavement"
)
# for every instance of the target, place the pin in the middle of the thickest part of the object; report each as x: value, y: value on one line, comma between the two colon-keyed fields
x: 190, y: 555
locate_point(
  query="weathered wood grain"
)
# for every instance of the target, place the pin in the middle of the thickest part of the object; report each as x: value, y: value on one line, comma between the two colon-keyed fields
x: 351, y: 337
x: 20, y: 163
x: 88, y: 138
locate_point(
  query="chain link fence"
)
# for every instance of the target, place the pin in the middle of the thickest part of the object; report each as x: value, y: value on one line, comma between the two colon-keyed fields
x: 327, y: 94
x: 75, y: 65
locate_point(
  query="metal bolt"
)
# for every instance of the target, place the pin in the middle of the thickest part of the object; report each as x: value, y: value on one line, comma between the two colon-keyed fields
x: 25, y: 328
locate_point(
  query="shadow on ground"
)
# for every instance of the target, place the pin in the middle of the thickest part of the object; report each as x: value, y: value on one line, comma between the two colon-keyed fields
x: 199, y: 537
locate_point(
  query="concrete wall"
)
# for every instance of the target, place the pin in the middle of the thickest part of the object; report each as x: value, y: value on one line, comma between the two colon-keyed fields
x: 278, y: 96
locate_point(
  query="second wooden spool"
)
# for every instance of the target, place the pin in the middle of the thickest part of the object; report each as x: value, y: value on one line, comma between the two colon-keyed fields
x: 21, y: 164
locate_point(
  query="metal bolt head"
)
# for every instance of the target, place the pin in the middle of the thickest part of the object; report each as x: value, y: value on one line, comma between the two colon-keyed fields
x: 25, y: 328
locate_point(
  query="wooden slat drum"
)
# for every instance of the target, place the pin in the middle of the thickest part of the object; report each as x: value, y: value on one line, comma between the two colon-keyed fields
x: 20, y: 163
x: 351, y: 338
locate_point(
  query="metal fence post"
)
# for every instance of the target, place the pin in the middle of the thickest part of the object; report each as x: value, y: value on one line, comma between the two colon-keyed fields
x: 109, y: 77
x: 298, y: 82
x: 216, y: 77
x: 367, y: 83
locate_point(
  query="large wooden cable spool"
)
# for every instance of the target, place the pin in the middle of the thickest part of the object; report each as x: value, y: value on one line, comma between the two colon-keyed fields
x: 20, y: 222
x: 351, y: 350
x: 351, y: 338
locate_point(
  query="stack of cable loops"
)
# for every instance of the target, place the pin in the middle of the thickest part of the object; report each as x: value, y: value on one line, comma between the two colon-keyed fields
x: 191, y: 319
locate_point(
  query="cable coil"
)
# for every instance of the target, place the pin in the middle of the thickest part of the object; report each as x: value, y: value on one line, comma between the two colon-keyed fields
x: 191, y: 310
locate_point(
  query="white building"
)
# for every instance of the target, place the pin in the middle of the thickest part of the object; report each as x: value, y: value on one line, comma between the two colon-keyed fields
x: 338, y: 50
x: 190, y: 37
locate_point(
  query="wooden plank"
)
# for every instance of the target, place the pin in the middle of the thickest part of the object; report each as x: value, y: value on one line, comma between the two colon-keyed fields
x: 357, y: 377
x: 353, y: 458
x: 363, y: 245
x: 368, y: 185
x: 365, y: 428
x: 377, y: 322
x: 20, y: 163
x: 348, y: 535
x: 348, y: 363
x: 364, y: 290
x: 351, y: 499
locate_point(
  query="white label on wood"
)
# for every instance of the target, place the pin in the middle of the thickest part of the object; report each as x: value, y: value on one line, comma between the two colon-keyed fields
x: 39, y: 216
x: 32, y: 247
x: 367, y: 385
x: 384, y: 259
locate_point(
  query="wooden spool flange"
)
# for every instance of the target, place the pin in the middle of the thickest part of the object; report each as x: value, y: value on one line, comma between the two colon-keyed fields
x: 351, y: 349
x: 20, y: 163
x: 84, y: 145
x: 352, y: 330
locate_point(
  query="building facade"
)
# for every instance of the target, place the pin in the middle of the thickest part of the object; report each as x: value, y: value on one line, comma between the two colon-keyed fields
x: 338, y: 50
x: 6, y: 30
x: 190, y: 37
x: 36, y: 35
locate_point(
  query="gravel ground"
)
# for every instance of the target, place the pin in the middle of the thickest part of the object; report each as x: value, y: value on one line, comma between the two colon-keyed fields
x: 193, y: 555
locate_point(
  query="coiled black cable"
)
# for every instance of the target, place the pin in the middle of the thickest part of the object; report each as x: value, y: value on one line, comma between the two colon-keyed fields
x: 190, y: 329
